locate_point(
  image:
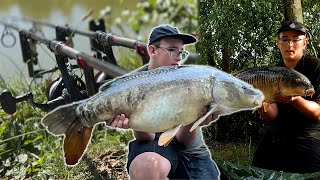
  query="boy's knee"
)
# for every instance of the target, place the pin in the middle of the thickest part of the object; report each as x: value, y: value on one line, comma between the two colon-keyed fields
x: 149, y: 165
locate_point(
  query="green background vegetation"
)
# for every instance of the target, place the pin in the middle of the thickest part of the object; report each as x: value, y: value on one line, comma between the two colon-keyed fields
x: 233, y: 35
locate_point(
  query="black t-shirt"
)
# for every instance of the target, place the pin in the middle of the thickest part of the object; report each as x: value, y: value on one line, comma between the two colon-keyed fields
x: 290, y: 121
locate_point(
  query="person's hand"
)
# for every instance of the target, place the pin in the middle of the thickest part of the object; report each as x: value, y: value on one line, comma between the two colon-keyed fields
x: 120, y: 121
x: 210, y: 118
x: 283, y: 99
x: 268, y: 111
x: 185, y: 136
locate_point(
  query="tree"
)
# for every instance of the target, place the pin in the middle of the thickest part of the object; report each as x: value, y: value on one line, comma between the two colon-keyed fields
x: 292, y: 10
x: 236, y: 34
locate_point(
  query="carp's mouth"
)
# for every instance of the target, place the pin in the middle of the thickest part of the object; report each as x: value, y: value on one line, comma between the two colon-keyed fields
x: 259, y: 100
x: 309, y: 92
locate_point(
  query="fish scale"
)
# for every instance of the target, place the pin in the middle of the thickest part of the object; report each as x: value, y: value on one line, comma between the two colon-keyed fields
x: 136, y: 75
x: 262, y: 80
x: 157, y: 100
x: 274, y: 81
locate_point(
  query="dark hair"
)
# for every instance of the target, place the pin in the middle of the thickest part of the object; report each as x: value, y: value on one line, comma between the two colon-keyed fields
x: 156, y: 43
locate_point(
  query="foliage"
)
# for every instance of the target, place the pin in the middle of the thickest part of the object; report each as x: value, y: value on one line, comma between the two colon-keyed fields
x: 311, y: 14
x: 242, y: 31
x: 150, y: 13
x: 235, y: 171
x: 138, y: 23
x: 28, y: 151
x: 241, y: 127
x: 239, y: 34
x: 129, y: 59
x: 245, y: 31
x: 237, y: 153
x: 21, y: 135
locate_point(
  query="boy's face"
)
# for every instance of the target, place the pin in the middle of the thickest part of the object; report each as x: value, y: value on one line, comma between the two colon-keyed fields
x: 291, y: 45
x: 167, y: 53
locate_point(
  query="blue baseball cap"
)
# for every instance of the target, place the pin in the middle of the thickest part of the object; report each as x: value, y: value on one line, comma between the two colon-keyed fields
x: 169, y: 31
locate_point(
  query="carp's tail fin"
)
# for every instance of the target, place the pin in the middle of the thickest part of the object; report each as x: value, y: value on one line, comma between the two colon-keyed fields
x: 60, y: 119
x: 64, y: 121
x: 75, y: 143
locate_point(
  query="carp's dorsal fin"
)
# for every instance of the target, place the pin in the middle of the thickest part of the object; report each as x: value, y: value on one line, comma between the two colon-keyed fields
x: 139, y: 73
x: 166, y: 137
x: 212, y: 108
x: 241, y: 71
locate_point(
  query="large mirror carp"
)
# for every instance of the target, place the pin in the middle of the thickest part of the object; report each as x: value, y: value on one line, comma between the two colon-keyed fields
x: 157, y: 100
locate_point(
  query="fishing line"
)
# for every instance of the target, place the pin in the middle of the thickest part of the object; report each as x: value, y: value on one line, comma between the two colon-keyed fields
x: 15, y: 65
x: 48, y: 53
x: 7, y: 31
x: 20, y: 135
x: 45, y: 50
x: 69, y: 41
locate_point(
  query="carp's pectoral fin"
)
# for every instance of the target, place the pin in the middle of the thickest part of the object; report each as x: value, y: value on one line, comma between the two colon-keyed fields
x: 265, y: 106
x: 166, y: 137
x: 75, y: 143
x: 211, y: 110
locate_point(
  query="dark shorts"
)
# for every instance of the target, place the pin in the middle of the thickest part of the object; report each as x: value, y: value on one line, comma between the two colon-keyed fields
x: 182, y: 166
x: 289, y: 154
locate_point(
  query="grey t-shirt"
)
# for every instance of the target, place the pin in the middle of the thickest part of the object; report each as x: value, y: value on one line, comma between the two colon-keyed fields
x: 197, y: 147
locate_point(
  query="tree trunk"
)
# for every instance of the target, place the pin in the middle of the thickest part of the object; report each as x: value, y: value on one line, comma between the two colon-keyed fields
x: 225, y: 59
x: 292, y: 10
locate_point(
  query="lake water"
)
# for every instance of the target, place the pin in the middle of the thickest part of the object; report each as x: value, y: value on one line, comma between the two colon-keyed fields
x: 57, y: 12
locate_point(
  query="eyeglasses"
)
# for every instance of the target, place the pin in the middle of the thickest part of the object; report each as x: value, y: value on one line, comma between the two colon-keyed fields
x: 174, y: 52
x: 288, y: 40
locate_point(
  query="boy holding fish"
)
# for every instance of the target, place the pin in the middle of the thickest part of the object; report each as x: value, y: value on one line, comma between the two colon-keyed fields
x: 186, y: 157
x: 292, y: 144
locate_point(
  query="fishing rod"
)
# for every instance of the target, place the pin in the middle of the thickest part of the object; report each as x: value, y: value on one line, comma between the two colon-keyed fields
x: 74, y: 90
x: 109, y: 39
x: 97, y: 48
x: 83, y: 59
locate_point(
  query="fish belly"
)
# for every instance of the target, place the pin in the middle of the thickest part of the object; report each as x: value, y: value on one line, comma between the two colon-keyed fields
x: 169, y: 106
x: 153, y: 101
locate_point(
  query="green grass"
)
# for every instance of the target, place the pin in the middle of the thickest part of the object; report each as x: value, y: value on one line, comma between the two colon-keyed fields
x: 28, y: 151
x: 235, y: 153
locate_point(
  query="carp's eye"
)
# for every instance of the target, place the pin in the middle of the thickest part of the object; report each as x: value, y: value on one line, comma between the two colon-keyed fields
x: 244, y: 88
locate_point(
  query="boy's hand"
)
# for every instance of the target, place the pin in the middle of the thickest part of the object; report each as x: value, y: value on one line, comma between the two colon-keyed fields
x: 120, y: 121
